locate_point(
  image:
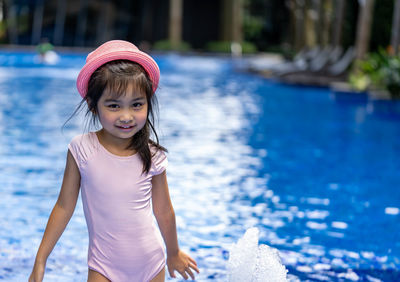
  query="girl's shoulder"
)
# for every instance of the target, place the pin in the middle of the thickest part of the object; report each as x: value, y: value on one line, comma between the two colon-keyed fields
x: 84, y: 140
x: 83, y: 146
x: 159, y: 160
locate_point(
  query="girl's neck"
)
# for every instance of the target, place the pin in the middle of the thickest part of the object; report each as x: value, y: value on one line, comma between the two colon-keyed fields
x: 116, y: 146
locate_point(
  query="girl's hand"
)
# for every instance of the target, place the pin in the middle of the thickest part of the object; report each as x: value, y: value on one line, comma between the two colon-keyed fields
x: 37, y: 273
x: 182, y: 263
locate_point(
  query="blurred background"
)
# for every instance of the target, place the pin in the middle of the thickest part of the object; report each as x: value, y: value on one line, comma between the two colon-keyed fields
x: 315, y: 169
x: 261, y: 25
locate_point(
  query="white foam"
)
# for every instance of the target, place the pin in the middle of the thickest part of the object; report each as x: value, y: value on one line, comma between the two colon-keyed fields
x: 251, y: 262
x: 392, y: 210
x: 373, y: 279
x: 339, y: 224
x: 321, y: 266
x: 44, y: 72
x: 317, y: 214
x: 316, y: 225
x: 304, y: 268
x: 317, y: 201
x: 368, y: 255
x: 349, y: 275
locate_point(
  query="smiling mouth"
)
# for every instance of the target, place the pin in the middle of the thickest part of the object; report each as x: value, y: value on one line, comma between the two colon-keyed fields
x: 125, y: 127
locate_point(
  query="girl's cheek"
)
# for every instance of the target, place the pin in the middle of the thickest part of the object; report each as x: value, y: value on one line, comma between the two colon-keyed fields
x: 144, y: 114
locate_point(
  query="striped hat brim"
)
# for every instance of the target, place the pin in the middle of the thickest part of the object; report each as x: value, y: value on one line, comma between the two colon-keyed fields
x: 96, y: 60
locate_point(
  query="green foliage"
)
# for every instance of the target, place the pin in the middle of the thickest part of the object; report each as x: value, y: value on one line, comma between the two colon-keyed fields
x: 3, y: 31
x: 44, y: 47
x: 265, y: 22
x: 381, y: 24
x: 379, y: 70
x: 359, y: 81
x: 167, y: 45
x: 284, y: 49
x: 225, y: 47
x: 252, y: 26
x: 219, y: 46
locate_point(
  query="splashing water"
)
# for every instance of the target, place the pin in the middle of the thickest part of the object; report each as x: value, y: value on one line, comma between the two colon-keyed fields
x: 249, y: 260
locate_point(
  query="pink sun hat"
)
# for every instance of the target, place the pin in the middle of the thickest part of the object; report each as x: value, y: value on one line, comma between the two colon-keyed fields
x: 116, y: 50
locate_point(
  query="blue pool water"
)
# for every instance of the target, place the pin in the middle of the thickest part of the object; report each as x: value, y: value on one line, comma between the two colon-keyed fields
x: 316, y: 172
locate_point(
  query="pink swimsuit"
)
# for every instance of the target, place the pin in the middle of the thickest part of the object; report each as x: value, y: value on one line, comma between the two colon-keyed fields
x: 124, y: 241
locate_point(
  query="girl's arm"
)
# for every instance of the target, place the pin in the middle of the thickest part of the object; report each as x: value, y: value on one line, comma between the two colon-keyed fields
x: 165, y: 215
x: 59, y: 217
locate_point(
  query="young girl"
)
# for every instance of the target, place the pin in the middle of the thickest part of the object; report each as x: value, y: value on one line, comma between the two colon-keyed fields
x: 121, y: 172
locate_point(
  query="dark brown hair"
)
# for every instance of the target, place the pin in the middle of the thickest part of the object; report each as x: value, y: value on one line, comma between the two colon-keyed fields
x: 117, y: 76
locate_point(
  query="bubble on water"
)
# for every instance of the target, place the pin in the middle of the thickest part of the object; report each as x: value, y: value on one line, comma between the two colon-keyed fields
x: 249, y: 261
x: 349, y: 275
x: 392, y: 210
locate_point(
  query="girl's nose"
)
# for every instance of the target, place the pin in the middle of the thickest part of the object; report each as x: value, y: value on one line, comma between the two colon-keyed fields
x: 126, y: 117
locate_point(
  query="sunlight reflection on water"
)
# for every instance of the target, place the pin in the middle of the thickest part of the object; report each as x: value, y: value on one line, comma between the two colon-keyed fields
x: 233, y: 164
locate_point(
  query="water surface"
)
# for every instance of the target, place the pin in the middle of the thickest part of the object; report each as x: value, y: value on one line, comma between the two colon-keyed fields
x: 316, y: 172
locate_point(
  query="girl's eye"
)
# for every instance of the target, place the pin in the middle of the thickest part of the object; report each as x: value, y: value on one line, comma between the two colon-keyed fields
x: 137, y: 105
x: 113, y: 106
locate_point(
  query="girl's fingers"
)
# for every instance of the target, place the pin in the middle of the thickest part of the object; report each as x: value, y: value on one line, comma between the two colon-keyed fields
x: 184, y: 275
x: 192, y: 261
x: 185, y: 272
x: 190, y: 273
x: 194, y: 266
x: 171, y: 272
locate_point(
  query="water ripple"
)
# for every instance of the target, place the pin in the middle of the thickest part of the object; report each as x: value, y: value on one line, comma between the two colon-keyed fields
x: 243, y: 152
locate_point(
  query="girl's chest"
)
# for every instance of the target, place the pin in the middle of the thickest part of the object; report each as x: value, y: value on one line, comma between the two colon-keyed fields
x: 116, y: 179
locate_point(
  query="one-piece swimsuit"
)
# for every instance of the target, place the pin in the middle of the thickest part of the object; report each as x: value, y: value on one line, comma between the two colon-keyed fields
x: 124, y: 241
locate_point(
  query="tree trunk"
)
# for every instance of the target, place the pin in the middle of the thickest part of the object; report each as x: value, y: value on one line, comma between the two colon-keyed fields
x: 58, y: 36
x: 395, y: 40
x: 326, y: 22
x: 364, y: 27
x: 320, y: 24
x: 37, y: 22
x: 147, y: 22
x: 175, y: 22
x: 232, y: 21
x: 300, y: 13
x: 81, y: 25
x: 338, y: 22
x: 237, y: 21
x: 104, y: 27
x: 12, y: 22
x: 310, y: 16
x: 291, y: 5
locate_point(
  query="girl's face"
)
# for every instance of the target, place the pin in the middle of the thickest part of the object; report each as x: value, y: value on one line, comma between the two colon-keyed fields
x: 124, y: 116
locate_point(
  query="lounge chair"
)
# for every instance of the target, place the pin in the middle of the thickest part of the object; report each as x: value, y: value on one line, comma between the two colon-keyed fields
x: 316, y: 62
x: 330, y: 56
x: 300, y: 62
x: 330, y: 73
x: 343, y: 64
